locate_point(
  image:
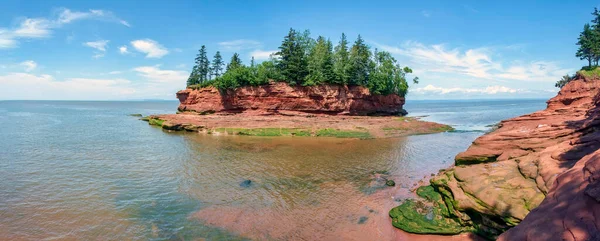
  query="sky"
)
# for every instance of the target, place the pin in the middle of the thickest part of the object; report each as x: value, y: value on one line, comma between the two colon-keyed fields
x: 129, y: 50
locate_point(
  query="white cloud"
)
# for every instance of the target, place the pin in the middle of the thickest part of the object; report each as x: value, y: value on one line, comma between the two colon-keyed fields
x: 152, y: 83
x: 262, y: 55
x: 431, y: 89
x: 155, y: 74
x: 123, y: 50
x: 151, y: 48
x: 28, y: 86
x: 68, y: 16
x: 240, y: 44
x: 29, y: 65
x: 426, y: 13
x: 473, y: 63
x: 100, y: 45
x: 33, y: 28
x: 115, y: 72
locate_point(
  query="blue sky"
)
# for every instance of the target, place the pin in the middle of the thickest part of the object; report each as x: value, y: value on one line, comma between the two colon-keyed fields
x: 113, y: 50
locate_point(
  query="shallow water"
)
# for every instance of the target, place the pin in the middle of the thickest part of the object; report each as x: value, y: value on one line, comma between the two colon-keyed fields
x: 88, y: 171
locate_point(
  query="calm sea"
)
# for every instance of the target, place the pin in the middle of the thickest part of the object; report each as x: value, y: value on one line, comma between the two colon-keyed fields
x: 76, y: 170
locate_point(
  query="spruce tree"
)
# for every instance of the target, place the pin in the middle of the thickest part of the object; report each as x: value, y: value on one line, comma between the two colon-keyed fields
x: 292, y: 63
x: 320, y: 63
x: 202, y: 69
x: 341, y: 61
x: 586, y: 45
x: 360, y: 63
x: 217, y: 65
x: 193, y: 79
x: 235, y: 62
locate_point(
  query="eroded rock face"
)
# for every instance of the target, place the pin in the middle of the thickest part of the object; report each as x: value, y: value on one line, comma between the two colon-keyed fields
x: 539, y: 172
x: 279, y: 96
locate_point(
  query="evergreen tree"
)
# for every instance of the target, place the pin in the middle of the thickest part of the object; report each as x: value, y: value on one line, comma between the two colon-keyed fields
x: 217, y: 65
x: 586, y: 45
x: 202, y: 66
x: 341, y: 61
x: 360, y: 63
x: 193, y: 79
x: 306, y: 42
x: 292, y: 63
x: 320, y: 63
x: 235, y: 62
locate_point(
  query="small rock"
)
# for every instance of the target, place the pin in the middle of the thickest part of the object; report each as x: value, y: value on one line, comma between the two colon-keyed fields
x: 362, y: 219
x: 246, y: 183
x: 136, y: 115
x: 390, y: 183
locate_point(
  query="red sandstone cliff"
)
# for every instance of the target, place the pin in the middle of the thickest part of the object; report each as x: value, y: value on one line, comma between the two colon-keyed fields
x: 540, y: 172
x: 279, y: 96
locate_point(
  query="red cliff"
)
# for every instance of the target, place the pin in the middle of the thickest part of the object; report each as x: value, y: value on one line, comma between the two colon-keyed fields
x: 537, y: 176
x: 279, y: 96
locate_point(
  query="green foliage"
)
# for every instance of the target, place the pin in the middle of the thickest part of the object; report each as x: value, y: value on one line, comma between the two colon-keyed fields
x: 267, y: 71
x: 563, y: 81
x: 341, y: 62
x: 360, y: 63
x: 292, y: 62
x: 236, y: 77
x: 302, y: 60
x: 320, y: 63
x: 217, y: 65
x: 265, y: 131
x: 590, y: 73
x: 343, y: 134
x: 235, y: 62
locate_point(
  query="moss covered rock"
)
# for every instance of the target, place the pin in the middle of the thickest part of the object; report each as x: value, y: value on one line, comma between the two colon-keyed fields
x: 429, y: 215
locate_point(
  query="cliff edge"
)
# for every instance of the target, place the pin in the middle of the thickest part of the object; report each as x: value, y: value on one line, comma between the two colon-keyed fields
x: 279, y: 96
x: 535, y: 177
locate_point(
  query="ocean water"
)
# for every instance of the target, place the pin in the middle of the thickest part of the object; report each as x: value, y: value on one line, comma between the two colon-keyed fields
x: 76, y: 170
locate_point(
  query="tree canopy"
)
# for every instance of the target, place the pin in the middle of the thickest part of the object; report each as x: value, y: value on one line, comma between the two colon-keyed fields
x: 302, y: 60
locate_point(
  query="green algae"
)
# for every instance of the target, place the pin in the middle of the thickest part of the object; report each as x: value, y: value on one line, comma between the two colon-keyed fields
x: 428, y: 216
x: 265, y: 131
x: 329, y: 132
x: 155, y: 122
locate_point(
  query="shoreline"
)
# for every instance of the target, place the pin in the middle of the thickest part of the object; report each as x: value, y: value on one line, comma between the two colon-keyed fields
x: 297, y: 125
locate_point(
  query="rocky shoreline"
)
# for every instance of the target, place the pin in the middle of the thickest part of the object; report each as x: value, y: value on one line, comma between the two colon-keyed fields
x: 278, y: 109
x: 534, y: 178
x: 309, y: 125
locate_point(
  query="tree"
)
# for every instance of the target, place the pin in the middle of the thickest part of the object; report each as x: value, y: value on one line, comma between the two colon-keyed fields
x: 217, y: 65
x: 320, y: 63
x: 193, y: 79
x: 292, y: 62
x: 306, y: 42
x: 586, y: 45
x: 341, y: 61
x: 360, y: 63
x: 563, y: 81
x: 235, y: 62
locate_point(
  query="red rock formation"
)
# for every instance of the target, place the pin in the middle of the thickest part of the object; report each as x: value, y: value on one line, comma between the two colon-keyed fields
x: 279, y: 96
x: 569, y: 171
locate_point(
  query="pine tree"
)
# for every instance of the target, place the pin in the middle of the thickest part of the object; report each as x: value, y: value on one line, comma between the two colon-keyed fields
x: 202, y: 69
x: 341, y: 61
x: 235, y: 62
x: 320, y: 63
x: 360, y: 63
x: 193, y: 79
x: 217, y: 65
x: 586, y: 45
x: 292, y: 63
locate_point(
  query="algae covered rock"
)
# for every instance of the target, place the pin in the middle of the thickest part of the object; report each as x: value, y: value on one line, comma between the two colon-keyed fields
x: 390, y: 183
x: 429, y: 215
